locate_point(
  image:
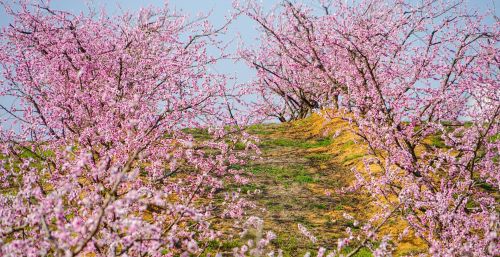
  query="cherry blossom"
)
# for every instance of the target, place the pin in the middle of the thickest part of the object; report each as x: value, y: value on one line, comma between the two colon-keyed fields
x: 418, y: 83
x: 100, y: 163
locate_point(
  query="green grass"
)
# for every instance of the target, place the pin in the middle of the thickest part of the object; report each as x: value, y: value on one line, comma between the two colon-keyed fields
x: 285, y: 142
x: 290, y: 244
x: 235, y: 166
x: 350, y: 223
x: 275, y: 207
x: 261, y: 129
x: 321, y: 142
x: 304, y: 178
x: 285, y: 175
x: 329, y: 223
x: 229, y: 245
x: 319, y: 206
x: 347, y: 145
x: 239, y: 146
x: 248, y: 188
x: 494, y: 138
x: 197, y: 133
x: 363, y: 252
x: 486, y: 186
x: 437, y: 142
x: 352, y: 157
x: 215, y: 246
x: 273, y: 170
x: 305, y: 144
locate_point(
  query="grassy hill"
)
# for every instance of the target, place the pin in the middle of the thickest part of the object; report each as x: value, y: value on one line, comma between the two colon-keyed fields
x: 295, y: 181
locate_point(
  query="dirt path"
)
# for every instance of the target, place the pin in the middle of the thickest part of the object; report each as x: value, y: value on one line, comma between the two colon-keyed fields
x: 295, y: 182
x: 293, y: 178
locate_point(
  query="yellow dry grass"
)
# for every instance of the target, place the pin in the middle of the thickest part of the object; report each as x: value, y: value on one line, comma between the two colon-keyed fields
x: 350, y: 150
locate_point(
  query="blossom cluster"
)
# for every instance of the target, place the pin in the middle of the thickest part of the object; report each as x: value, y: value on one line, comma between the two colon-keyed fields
x: 96, y: 159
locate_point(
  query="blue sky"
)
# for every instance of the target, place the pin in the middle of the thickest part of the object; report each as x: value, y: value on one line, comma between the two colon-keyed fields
x: 220, y: 9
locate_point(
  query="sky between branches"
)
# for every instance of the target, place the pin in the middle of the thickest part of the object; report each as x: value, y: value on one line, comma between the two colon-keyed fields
x: 219, y: 9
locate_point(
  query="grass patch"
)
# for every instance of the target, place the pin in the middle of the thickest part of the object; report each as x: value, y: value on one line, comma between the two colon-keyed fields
x: 347, y: 145
x: 249, y: 188
x: 316, y: 157
x: 294, y: 244
x: 486, y: 186
x: 239, y: 146
x: 437, y: 142
x: 260, y: 129
x: 198, y: 133
x: 352, y: 157
x: 304, y: 178
x: 236, y: 166
x: 329, y: 222
x: 273, y: 206
x: 318, y: 143
x: 363, y: 252
x: 292, y: 173
x: 289, y: 244
x: 350, y: 223
x: 229, y: 245
x: 284, y: 142
x: 270, y: 170
x: 319, y: 206
x: 494, y: 138
x: 285, y: 175
x: 305, y: 144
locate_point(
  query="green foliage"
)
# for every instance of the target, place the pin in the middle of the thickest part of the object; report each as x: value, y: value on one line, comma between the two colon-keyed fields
x: 229, y: 245
x: 235, y: 166
x: 256, y: 169
x: 329, y: 222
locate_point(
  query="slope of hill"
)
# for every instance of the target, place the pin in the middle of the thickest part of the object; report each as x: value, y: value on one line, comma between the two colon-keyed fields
x: 303, y: 165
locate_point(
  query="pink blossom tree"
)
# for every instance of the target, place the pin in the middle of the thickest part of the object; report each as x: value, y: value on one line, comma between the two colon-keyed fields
x: 404, y: 74
x: 98, y: 161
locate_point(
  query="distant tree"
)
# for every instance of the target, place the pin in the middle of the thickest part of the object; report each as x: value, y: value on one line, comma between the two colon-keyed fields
x: 418, y: 80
